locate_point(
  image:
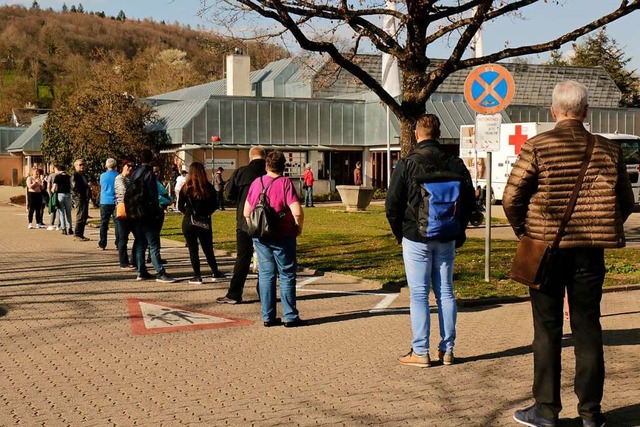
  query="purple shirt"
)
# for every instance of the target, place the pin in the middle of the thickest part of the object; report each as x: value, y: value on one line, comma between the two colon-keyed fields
x: 280, y: 194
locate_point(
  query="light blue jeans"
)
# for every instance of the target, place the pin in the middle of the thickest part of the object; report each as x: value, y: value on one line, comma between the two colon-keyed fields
x: 64, y: 206
x: 277, y: 256
x: 430, y: 264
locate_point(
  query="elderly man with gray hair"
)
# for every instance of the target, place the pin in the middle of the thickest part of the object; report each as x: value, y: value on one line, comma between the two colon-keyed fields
x: 107, y: 201
x: 535, y: 200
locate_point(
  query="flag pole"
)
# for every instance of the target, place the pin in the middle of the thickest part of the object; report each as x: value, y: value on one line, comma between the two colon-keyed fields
x: 388, y: 147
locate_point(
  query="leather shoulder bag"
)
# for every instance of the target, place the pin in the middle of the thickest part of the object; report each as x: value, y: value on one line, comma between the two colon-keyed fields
x: 534, y: 259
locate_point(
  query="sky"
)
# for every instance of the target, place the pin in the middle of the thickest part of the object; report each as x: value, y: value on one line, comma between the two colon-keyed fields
x: 541, y: 21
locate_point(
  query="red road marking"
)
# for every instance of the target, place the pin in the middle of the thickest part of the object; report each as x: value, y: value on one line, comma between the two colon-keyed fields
x: 171, y: 314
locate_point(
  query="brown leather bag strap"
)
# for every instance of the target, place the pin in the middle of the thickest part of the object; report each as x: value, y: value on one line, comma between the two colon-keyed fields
x: 576, y: 190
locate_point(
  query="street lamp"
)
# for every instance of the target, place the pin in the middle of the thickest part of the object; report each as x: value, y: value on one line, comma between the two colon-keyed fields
x: 214, y: 140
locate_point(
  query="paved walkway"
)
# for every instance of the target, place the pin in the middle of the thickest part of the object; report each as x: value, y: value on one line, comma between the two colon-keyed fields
x: 76, y: 349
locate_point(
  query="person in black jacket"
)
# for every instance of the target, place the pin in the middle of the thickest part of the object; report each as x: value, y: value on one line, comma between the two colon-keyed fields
x: 81, y: 192
x: 428, y: 261
x: 236, y: 190
x: 147, y: 226
x: 198, y: 200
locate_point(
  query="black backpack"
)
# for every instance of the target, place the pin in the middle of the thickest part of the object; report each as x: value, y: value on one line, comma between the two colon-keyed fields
x: 263, y: 220
x: 138, y: 203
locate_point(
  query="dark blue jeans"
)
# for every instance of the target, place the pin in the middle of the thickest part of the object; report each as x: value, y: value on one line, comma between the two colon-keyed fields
x: 106, y: 213
x: 123, y: 228
x: 148, y: 235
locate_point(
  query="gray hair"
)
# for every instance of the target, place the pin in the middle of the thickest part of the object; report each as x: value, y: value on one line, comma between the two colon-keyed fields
x: 110, y: 163
x: 570, y: 98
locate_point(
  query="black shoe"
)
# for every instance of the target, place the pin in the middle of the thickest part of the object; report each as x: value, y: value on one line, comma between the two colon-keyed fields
x: 530, y: 417
x: 296, y: 323
x: 275, y: 322
x: 145, y: 276
x: 70, y: 231
x: 196, y: 280
x: 64, y: 232
x: 165, y: 278
x: 218, y: 275
x: 598, y: 420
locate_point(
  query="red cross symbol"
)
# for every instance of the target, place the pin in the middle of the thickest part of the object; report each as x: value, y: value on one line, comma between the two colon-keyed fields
x: 518, y: 139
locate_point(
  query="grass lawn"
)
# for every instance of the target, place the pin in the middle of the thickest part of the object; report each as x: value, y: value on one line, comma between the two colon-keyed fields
x: 361, y: 244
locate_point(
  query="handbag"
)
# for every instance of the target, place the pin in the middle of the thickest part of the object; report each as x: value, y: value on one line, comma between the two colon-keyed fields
x: 534, y: 259
x: 197, y: 221
x: 121, y: 211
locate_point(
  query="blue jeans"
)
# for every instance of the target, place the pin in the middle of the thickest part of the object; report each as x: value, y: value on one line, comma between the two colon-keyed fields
x: 277, y: 256
x: 430, y: 264
x: 147, y: 235
x: 308, y: 196
x: 64, y: 206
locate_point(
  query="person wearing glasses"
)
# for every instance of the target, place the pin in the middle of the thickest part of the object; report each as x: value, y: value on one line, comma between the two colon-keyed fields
x: 123, y: 225
x: 81, y: 193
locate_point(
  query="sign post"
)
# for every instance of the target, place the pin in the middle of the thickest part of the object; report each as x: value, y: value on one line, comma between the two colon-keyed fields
x: 488, y: 90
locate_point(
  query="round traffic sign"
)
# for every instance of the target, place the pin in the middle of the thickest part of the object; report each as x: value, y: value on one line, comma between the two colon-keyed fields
x: 489, y: 88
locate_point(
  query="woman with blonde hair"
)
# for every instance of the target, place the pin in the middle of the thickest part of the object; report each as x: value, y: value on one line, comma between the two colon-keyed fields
x: 35, y: 186
x: 197, y: 202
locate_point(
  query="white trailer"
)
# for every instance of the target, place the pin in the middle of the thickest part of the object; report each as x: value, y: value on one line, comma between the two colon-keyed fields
x: 513, y: 135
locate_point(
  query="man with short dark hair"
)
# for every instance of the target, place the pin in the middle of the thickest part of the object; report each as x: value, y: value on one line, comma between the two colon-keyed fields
x: 428, y: 257
x: 107, y: 201
x: 81, y: 192
x: 147, y: 228
x: 237, y: 189
x: 535, y: 200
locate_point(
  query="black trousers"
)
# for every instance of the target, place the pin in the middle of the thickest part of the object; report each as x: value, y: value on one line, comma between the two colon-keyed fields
x: 35, y: 205
x: 82, y: 214
x: 582, y: 273
x: 194, y: 234
x: 244, y: 245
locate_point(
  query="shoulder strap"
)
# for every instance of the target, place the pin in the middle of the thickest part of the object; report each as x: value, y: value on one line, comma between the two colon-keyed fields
x: 576, y: 189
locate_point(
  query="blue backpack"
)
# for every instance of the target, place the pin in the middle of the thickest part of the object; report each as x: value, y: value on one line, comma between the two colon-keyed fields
x: 440, y: 207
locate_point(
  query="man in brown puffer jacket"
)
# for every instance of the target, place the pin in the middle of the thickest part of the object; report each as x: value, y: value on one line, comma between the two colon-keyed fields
x: 535, y: 198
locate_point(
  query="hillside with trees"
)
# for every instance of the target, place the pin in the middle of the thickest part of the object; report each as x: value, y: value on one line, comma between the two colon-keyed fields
x: 46, y: 55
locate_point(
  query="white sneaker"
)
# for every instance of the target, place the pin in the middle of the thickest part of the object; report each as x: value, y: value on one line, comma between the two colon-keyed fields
x: 51, y: 227
x: 39, y: 226
x: 30, y: 226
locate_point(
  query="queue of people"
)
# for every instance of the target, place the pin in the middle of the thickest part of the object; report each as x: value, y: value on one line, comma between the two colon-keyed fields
x: 425, y: 219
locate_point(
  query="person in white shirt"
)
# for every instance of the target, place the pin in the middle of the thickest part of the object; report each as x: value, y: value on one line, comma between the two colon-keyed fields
x: 179, y: 183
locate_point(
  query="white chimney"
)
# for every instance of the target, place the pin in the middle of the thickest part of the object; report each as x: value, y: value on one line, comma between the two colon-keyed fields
x: 238, y: 70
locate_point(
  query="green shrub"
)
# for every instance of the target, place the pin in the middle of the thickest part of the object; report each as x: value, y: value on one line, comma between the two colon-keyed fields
x: 379, y: 194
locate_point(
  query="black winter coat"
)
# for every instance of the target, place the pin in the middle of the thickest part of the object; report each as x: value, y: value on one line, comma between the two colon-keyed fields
x: 403, y: 196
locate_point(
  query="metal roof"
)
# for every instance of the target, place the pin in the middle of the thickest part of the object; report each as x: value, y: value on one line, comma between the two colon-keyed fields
x: 176, y: 115
x: 219, y: 87
x: 534, y: 82
x: 8, y: 134
x: 31, y: 140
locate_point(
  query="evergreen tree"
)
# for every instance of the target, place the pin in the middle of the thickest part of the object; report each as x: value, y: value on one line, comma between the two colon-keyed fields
x: 35, y: 5
x: 121, y: 16
x: 73, y: 8
x: 601, y: 50
x: 65, y: 9
x: 80, y: 8
x: 557, y: 60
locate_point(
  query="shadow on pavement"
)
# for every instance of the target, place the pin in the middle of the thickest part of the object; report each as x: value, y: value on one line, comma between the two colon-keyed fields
x: 610, y: 338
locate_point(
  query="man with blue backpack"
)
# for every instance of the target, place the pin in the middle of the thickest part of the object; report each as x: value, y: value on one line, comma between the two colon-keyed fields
x: 429, y: 203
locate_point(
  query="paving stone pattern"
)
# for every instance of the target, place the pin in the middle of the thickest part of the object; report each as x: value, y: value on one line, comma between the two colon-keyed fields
x: 69, y: 358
